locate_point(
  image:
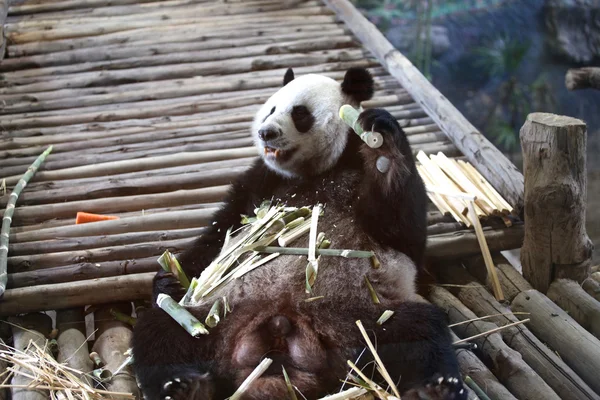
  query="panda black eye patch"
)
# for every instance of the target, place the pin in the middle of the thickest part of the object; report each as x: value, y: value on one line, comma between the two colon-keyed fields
x: 303, y: 119
x: 271, y: 113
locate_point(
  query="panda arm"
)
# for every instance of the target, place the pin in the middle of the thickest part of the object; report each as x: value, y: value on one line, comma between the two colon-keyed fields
x: 170, y: 362
x: 246, y: 193
x: 392, y: 204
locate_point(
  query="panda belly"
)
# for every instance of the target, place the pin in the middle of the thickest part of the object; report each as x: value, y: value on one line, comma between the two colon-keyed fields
x: 285, y: 275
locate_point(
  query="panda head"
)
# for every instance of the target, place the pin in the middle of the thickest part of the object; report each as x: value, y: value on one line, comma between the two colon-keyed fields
x: 298, y: 131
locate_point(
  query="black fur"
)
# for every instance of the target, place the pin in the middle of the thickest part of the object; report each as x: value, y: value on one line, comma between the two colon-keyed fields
x: 391, y: 208
x: 358, y: 84
x: 303, y: 119
x: 288, y: 77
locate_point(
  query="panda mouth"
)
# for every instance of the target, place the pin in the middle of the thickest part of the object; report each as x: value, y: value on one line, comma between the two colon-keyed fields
x: 278, y: 154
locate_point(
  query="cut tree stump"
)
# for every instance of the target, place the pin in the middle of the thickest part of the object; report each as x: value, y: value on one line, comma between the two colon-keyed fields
x: 556, y: 244
x: 583, y: 78
x: 551, y: 324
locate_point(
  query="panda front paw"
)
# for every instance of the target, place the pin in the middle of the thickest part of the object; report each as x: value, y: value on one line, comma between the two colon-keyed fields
x: 165, y: 282
x: 438, y: 388
x: 380, y: 120
x: 191, y: 386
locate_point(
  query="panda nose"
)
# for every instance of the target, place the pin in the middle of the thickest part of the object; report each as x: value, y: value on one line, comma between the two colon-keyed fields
x: 268, y: 134
x: 280, y: 326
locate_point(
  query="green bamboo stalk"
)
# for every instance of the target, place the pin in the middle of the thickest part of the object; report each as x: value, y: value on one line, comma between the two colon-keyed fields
x: 181, y: 315
x: 296, y: 251
x: 475, y: 387
x: 350, y: 115
x: 8, y: 214
x: 126, y: 319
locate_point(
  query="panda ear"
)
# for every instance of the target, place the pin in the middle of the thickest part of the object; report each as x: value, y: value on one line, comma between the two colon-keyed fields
x: 358, y: 84
x: 288, y: 77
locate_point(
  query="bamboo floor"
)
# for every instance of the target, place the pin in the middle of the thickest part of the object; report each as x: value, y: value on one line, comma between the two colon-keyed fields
x: 148, y: 106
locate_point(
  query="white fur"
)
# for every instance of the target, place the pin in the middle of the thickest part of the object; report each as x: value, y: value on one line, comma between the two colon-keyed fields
x: 324, y: 143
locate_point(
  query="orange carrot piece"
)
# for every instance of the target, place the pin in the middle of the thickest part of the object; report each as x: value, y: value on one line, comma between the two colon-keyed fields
x: 83, y: 218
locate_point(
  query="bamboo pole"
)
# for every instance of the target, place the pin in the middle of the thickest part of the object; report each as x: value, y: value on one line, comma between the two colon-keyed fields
x: 72, y: 342
x: 8, y: 214
x: 506, y: 363
x: 29, y: 328
x: 486, y: 158
x: 77, y: 294
x: 579, y: 348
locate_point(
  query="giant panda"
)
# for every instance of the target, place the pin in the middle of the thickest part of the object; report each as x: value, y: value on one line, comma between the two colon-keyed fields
x: 308, y: 156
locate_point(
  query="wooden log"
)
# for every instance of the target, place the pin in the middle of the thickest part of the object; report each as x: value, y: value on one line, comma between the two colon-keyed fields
x: 140, y: 164
x: 129, y: 50
x: 582, y: 307
x: 100, y: 255
x: 556, y: 244
x: 583, y: 78
x: 511, y: 281
x: 558, y: 375
x: 35, y: 7
x: 592, y: 288
x: 72, y: 342
x: 84, y: 271
x: 167, y: 220
x: 3, y: 15
x: 464, y: 243
x: 239, y: 65
x: 33, y: 214
x: 576, y: 346
x: 486, y: 158
x: 77, y: 294
x: 289, y: 47
x: 473, y: 367
x: 506, y: 363
x: 160, y: 34
x: 92, y: 242
x: 113, y: 339
x: 28, y: 328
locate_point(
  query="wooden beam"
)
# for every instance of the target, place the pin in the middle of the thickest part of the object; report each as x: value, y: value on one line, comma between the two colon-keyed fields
x: 3, y: 16
x: 584, y: 309
x: 556, y: 244
x: 492, y: 164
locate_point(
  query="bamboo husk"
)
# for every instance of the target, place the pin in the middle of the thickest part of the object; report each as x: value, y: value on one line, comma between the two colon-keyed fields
x: 28, y: 328
x: 107, y: 205
x: 77, y: 294
x: 131, y: 251
x: 558, y: 375
x: 141, y: 164
x: 82, y: 272
x: 72, y: 342
x: 506, y: 363
x: 8, y: 214
x: 579, y: 348
x: 472, y: 366
x: 167, y: 220
x: 113, y: 339
x: 582, y: 307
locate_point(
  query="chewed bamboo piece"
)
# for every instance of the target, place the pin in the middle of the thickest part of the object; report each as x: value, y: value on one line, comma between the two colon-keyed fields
x: 181, y: 315
x: 350, y: 116
x: 8, y: 214
x: 258, y: 371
